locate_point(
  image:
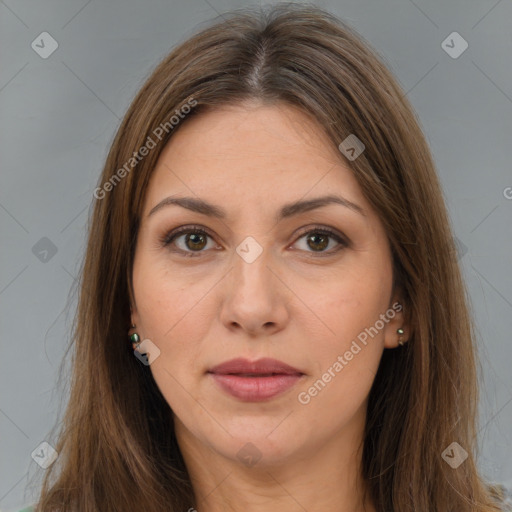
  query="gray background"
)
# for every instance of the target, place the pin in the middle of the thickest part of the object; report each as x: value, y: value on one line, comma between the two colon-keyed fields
x: 58, y: 117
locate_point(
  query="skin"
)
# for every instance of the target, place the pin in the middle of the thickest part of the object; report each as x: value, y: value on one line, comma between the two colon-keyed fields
x: 298, y: 302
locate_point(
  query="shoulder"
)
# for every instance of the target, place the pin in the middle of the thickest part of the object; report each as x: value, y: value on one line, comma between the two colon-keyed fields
x: 503, y: 494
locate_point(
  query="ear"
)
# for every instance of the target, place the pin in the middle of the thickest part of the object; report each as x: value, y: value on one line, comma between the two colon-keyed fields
x: 134, y: 318
x: 134, y: 315
x: 395, y: 314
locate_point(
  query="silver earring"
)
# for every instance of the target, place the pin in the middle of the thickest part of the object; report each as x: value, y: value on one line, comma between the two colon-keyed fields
x: 400, y: 333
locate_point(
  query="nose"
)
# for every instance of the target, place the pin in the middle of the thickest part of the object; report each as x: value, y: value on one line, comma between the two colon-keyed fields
x: 255, y: 297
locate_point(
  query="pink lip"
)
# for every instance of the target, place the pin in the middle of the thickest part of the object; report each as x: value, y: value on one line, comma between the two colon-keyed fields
x: 255, y: 381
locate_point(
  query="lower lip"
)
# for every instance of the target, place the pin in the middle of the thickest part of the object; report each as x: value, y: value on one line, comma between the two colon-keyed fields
x: 255, y: 389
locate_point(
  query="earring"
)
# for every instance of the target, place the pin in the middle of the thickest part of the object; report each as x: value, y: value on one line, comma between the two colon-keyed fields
x: 134, y: 338
x: 400, y: 333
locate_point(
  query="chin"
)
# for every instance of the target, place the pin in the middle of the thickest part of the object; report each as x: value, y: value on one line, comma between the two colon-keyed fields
x: 261, y: 447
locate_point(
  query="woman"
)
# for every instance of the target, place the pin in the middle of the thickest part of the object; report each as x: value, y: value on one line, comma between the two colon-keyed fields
x: 271, y: 312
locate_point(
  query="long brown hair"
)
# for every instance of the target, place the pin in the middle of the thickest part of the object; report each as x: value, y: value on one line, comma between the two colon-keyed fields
x: 117, y: 449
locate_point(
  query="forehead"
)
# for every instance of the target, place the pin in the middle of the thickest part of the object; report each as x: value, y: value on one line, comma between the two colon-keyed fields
x: 251, y: 154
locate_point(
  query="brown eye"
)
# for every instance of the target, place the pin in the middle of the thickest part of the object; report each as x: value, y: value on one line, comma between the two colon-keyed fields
x: 195, y: 241
x: 187, y: 240
x: 318, y: 241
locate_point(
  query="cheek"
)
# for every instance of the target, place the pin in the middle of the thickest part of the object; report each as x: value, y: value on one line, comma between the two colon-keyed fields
x: 348, y: 301
x: 164, y: 298
x: 349, y: 347
x: 344, y: 363
x: 177, y: 321
x: 173, y: 313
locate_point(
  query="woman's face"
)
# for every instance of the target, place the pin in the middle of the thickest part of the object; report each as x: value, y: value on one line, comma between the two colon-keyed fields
x: 262, y: 279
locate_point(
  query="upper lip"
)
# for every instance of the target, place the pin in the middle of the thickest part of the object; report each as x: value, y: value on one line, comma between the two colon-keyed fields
x: 261, y: 366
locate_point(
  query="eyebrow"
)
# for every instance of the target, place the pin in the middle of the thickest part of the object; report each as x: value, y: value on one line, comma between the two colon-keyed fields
x: 288, y: 210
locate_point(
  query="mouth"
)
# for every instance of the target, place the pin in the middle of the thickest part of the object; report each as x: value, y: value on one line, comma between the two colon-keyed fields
x: 255, y: 381
x: 261, y: 367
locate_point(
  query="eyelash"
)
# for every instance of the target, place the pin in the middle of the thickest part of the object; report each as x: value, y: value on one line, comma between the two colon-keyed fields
x: 168, y: 238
